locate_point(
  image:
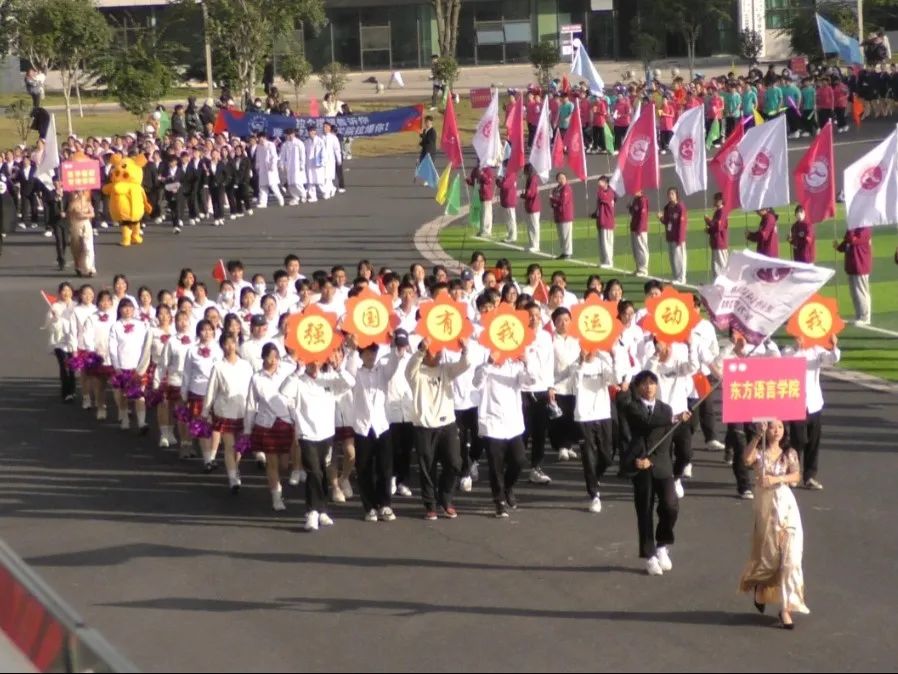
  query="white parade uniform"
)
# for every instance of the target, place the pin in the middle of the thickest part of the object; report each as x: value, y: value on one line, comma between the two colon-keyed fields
x: 333, y: 157
x: 293, y: 160
x: 266, y: 167
x: 198, y: 369
x: 315, y: 166
x: 228, y: 389
x: 126, y: 342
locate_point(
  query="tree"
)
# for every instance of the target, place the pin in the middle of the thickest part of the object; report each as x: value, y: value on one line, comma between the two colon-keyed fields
x: 446, y: 12
x: 138, y: 80
x: 62, y: 35
x: 646, y: 43
x: 333, y: 78
x: 750, y: 46
x: 445, y: 69
x: 544, y: 57
x: 296, y: 70
x: 689, y: 17
x: 243, y: 32
x: 9, y: 16
x: 19, y: 111
x: 801, y: 26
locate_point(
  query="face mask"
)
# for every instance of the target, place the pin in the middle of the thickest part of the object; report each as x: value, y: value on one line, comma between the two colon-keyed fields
x: 227, y: 296
x: 260, y: 288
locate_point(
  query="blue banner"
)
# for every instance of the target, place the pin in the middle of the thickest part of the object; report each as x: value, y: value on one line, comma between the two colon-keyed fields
x: 243, y: 124
x: 834, y: 41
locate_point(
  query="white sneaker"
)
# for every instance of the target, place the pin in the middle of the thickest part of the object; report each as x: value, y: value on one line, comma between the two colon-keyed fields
x: 386, y: 514
x: 337, y: 495
x: 104, y: 225
x: 249, y: 212
x: 466, y: 483
x: 371, y: 515
x: 392, y: 486
x: 125, y: 423
x: 294, y: 477
x: 293, y: 202
x: 233, y: 217
x: 346, y: 488
x: 595, y: 506
x: 572, y: 454
x: 85, y: 402
x: 564, y: 454
x: 312, y: 521
x: 163, y: 442
x: 537, y: 476
x: 532, y: 249
x: 474, y: 472
x: 687, y: 470
x: 747, y: 495
x: 402, y: 490
x: 101, y: 413
x: 664, y: 558
x: 277, y: 503
x: 325, y: 520
x: 678, y: 487
x: 715, y: 445
x: 234, y: 483
x: 342, y: 190
x: 653, y: 567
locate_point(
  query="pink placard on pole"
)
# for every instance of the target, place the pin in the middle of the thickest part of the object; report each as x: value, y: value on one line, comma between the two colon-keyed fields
x: 81, y: 174
x: 481, y: 97
x: 764, y: 388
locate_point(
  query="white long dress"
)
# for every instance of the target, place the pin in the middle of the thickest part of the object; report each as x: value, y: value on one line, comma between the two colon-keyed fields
x: 293, y: 159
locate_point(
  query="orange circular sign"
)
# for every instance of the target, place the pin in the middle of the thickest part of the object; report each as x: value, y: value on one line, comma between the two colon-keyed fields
x: 506, y: 333
x: 368, y: 318
x: 312, y: 335
x: 816, y: 321
x: 444, y: 322
x: 594, y: 322
x: 671, y: 316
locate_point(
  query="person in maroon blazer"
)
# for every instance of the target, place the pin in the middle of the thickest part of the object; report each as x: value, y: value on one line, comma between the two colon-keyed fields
x: 604, y: 215
x: 508, y: 199
x: 562, y: 200
x: 530, y: 195
x: 485, y: 179
x: 675, y: 221
x: 639, y: 232
x: 858, y: 264
x: 766, y: 234
x: 802, y: 238
x: 718, y: 229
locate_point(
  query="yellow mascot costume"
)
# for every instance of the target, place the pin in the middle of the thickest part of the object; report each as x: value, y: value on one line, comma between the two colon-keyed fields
x: 127, y: 201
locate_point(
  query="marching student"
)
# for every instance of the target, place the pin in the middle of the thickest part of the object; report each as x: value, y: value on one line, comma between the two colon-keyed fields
x: 292, y: 158
x: 96, y: 340
x: 604, y: 216
x: 170, y: 376
x: 225, y: 403
x: 310, y: 394
x: 562, y: 200
x: 535, y: 395
x: 563, y: 432
x: 266, y: 168
x: 157, y: 339
x: 62, y: 328
x: 466, y: 398
x: 82, y: 311
x: 802, y: 239
x: 485, y: 179
x: 858, y: 251
x: 316, y: 164
x: 675, y: 220
x: 201, y: 358
x: 766, y: 235
x: 400, y: 411
x: 530, y: 195
x: 639, y: 232
x: 717, y: 228
x: 126, y: 354
x: 508, y: 199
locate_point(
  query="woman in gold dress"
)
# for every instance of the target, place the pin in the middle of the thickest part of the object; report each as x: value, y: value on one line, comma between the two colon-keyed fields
x: 774, y: 572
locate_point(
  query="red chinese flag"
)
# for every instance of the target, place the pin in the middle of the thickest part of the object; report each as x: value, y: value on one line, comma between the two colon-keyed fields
x: 313, y: 107
x: 48, y: 298
x: 576, y: 150
x: 450, y: 140
x: 516, y: 137
x: 541, y: 293
x: 557, y: 151
x: 219, y: 272
x: 726, y: 167
x: 815, y: 179
x: 565, y: 85
x: 637, y: 163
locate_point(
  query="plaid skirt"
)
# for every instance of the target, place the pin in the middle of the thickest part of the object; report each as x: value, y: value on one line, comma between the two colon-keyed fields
x: 225, y: 425
x: 344, y: 433
x: 102, y: 372
x: 172, y: 393
x: 275, y: 440
x: 195, y: 404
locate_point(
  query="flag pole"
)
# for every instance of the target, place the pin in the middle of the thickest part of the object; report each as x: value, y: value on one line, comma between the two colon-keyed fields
x: 836, y: 263
x: 660, y: 235
x: 707, y: 239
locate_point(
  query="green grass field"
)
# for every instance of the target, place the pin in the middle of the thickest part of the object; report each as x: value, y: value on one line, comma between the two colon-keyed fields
x: 864, y: 350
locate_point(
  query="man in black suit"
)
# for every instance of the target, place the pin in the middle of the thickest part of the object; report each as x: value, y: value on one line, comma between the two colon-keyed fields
x: 648, y: 461
x: 174, y: 181
x: 215, y: 176
x: 428, y: 141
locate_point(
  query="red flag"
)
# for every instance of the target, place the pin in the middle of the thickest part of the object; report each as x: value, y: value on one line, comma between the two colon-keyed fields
x: 515, y: 127
x: 576, y: 150
x: 815, y: 178
x: 637, y: 163
x: 219, y: 272
x: 557, y: 151
x: 726, y: 167
x: 565, y: 85
x: 450, y: 140
x: 313, y: 107
x: 541, y: 292
x: 48, y: 298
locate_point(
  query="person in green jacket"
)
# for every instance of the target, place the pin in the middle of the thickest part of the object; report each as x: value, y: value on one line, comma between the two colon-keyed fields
x: 809, y: 107
x: 749, y: 99
x: 773, y: 99
x: 792, y: 93
x: 732, y: 106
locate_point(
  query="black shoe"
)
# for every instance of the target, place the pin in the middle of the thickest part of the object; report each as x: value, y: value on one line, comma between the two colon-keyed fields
x: 563, y: 256
x: 209, y: 467
x: 60, y: 266
x: 760, y: 607
x: 790, y: 626
x: 235, y: 489
x: 511, y: 500
x: 501, y: 510
x: 260, y: 465
x: 144, y: 429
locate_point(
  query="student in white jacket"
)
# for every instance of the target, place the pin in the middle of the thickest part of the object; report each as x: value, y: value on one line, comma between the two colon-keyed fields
x: 594, y: 373
x: 62, y: 330
x: 292, y: 159
x: 225, y: 403
x: 126, y: 353
x: 96, y: 340
x: 83, y: 310
x: 201, y: 358
x: 170, y: 376
x: 400, y: 409
x: 154, y: 346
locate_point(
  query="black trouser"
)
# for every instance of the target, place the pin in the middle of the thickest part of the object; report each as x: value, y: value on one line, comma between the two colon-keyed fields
x: 66, y: 376
x: 730, y: 125
x: 563, y: 431
x: 469, y: 440
x: 193, y: 202
x: 665, y: 139
x: 620, y: 429
x: 175, y: 208
x: 96, y: 200
x: 438, y: 445
x: 809, y: 121
x: 402, y: 437
x: 596, y: 456
x: 703, y: 416
x: 506, y: 459
x: 314, y: 461
x: 681, y: 448
x: 536, y: 423
x: 793, y: 120
x: 619, y: 133
x: 736, y: 439
x: 29, y: 208
x: 805, y: 437
x: 531, y: 131
x: 374, y: 467
x: 338, y: 171
x: 646, y: 488
x: 217, y: 193
x: 824, y: 115
x: 58, y: 228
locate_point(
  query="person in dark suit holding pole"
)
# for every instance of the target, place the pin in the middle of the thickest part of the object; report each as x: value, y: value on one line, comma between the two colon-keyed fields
x: 428, y: 140
x: 648, y: 460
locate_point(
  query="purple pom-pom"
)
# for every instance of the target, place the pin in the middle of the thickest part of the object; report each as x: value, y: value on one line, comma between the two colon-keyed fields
x: 120, y: 380
x: 92, y: 361
x: 133, y: 391
x: 153, y: 396
x: 182, y: 414
x: 200, y: 428
x: 242, y: 445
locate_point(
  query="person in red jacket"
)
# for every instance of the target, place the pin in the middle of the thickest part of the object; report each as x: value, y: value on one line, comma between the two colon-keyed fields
x: 485, y: 178
x: 714, y: 113
x: 802, y: 239
x: 530, y: 195
x: 639, y: 232
x: 858, y: 265
x: 675, y: 221
x: 533, y: 107
x: 766, y: 235
x: 666, y: 115
x: 508, y: 199
x: 599, y: 116
x: 825, y: 101
x: 622, y: 114
x: 840, y: 103
x: 562, y: 200
x: 717, y: 227
x: 604, y: 215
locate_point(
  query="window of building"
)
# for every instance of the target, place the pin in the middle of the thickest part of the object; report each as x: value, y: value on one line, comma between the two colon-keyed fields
x: 779, y: 12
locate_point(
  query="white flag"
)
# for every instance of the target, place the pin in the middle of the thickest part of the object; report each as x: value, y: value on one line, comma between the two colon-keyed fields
x: 688, y: 148
x: 765, y: 178
x: 49, y: 160
x: 756, y: 294
x: 540, y: 151
x: 583, y: 66
x: 486, y: 138
x: 871, y: 186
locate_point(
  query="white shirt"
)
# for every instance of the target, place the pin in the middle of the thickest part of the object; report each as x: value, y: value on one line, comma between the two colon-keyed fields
x: 312, y: 402
x: 567, y: 354
x: 817, y: 358
x: 540, y: 357
x: 62, y: 326
x: 228, y: 389
x: 400, y: 407
x: 264, y: 402
x: 464, y: 393
x: 251, y: 351
x: 369, y: 397
x: 592, y: 380
x: 285, y: 303
x: 126, y: 341
x: 703, y: 341
x: 198, y: 369
x: 674, y: 375
x: 432, y: 395
x: 82, y: 312
x: 500, y: 414
x: 96, y: 333
x: 174, y: 356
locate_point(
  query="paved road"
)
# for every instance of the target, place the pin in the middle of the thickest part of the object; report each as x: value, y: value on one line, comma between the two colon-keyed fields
x: 179, y: 574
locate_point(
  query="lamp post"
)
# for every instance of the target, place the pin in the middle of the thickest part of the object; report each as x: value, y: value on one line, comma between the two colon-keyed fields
x: 208, y: 47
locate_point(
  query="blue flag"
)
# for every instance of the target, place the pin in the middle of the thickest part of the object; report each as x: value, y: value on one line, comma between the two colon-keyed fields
x: 427, y: 172
x: 834, y: 41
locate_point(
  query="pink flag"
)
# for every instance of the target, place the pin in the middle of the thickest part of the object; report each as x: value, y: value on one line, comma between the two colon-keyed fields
x: 558, y: 151
x: 815, y: 178
x: 515, y: 126
x: 313, y: 107
x: 450, y: 140
x: 637, y: 164
x: 576, y: 150
x: 726, y: 167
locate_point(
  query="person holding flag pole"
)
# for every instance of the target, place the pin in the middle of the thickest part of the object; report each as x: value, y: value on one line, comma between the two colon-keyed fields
x: 689, y: 150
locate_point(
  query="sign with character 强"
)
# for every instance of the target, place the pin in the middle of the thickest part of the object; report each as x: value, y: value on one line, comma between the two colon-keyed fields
x: 764, y: 388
